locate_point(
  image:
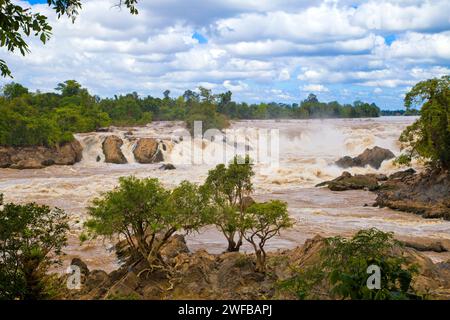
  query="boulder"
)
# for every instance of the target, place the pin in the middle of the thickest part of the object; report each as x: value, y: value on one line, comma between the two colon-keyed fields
x: 167, y: 166
x: 372, y: 157
x: 69, y: 153
x: 175, y: 246
x: 111, y: 149
x: 348, y: 182
x: 147, y: 151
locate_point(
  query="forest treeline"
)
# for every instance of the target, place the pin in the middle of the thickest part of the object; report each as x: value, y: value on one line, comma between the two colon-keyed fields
x: 38, y: 118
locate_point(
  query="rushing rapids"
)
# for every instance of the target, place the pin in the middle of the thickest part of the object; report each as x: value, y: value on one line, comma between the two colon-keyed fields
x: 307, y: 152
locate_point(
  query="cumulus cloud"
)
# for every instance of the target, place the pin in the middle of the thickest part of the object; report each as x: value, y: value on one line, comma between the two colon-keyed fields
x: 314, y: 88
x: 254, y: 48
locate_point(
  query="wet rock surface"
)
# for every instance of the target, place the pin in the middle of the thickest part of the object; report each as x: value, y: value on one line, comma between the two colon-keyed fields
x: 372, y: 157
x: 111, y: 149
x: 426, y: 193
x: 347, y: 181
x: 38, y: 157
x: 147, y: 151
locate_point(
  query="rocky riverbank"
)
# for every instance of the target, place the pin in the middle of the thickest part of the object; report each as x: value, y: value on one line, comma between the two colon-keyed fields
x: 202, y: 275
x: 38, y: 157
x: 426, y: 193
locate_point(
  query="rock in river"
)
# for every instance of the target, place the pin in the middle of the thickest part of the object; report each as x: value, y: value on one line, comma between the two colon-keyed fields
x: 372, y: 157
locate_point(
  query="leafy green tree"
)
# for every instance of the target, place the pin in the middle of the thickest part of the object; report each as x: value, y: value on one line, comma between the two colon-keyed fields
x: 207, y: 114
x: 14, y: 90
x: 31, y: 239
x: 18, y: 22
x: 146, y: 215
x: 69, y: 88
x: 344, y: 269
x: 261, y: 223
x: 429, y: 137
x: 228, y: 187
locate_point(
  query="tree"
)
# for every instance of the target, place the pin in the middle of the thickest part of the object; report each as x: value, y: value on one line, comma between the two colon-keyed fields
x: 344, y: 268
x: 69, y: 88
x: 207, y: 114
x: 14, y: 90
x: 16, y: 22
x: 146, y: 215
x: 262, y: 222
x: 429, y: 137
x: 228, y: 187
x: 31, y: 239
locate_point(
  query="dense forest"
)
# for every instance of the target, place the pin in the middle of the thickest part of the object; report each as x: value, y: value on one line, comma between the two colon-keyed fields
x: 37, y: 118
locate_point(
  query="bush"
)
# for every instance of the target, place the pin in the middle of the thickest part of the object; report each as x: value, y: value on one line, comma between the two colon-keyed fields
x: 31, y: 239
x: 344, y: 269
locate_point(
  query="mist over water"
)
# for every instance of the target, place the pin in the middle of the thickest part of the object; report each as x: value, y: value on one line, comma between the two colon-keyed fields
x: 307, y: 151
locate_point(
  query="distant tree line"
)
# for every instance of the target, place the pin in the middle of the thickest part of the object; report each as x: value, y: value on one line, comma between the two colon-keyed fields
x: 410, y: 112
x: 36, y: 118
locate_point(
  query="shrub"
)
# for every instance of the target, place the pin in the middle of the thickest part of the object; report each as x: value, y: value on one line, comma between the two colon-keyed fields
x: 31, y: 239
x: 344, y: 266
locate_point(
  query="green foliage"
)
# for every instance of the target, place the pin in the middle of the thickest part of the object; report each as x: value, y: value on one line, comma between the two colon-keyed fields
x: 344, y: 264
x: 14, y: 90
x: 206, y: 113
x: 429, y: 137
x: 261, y: 222
x: 228, y: 186
x: 146, y: 215
x: 47, y: 119
x: 31, y: 239
x: 51, y: 118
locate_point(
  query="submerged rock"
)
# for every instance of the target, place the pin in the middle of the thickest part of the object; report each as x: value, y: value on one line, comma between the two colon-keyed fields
x: 111, y: 149
x: 38, y: 157
x: 147, y: 151
x: 372, y: 157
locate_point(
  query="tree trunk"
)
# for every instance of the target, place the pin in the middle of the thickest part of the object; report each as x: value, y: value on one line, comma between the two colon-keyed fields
x: 260, y: 262
x: 232, y: 246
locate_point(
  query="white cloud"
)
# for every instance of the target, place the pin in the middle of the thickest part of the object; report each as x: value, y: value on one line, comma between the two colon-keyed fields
x: 314, y: 88
x: 253, y: 45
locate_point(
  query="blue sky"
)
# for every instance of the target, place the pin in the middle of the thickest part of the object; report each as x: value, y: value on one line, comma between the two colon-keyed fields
x: 262, y: 50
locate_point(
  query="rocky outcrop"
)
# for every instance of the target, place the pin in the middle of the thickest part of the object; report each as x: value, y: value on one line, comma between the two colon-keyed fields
x: 167, y: 166
x: 372, y: 157
x: 147, y: 151
x: 39, y: 157
x: 426, y: 193
x: 359, y: 181
x: 111, y: 149
x: 202, y: 275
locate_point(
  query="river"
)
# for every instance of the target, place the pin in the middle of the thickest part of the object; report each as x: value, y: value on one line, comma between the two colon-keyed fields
x: 307, y: 151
